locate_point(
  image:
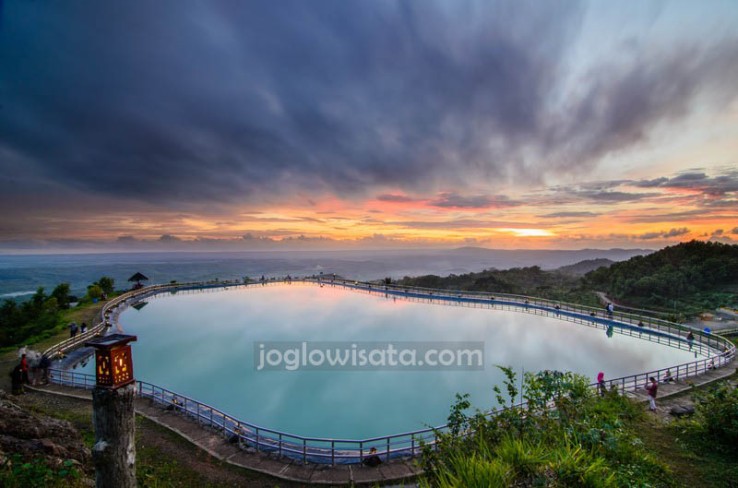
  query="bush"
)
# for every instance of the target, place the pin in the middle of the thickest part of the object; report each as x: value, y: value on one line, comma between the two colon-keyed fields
x: 581, y: 441
x: 718, y: 414
x: 17, y: 472
x: 107, y: 285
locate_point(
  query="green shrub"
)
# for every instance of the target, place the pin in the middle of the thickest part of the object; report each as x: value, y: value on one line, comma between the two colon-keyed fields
x: 718, y: 414
x: 582, y: 441
x: 17, y: 472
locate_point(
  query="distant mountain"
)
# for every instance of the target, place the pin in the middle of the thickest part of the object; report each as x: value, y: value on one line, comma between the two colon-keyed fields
x: 546, y: 259
x: 583, y: 267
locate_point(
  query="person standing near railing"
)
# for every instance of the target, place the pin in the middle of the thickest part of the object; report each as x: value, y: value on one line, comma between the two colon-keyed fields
x: 652, y: 388
x: 601, y: 383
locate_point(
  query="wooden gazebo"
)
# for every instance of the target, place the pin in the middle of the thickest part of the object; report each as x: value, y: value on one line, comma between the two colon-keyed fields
x: 138, y: 278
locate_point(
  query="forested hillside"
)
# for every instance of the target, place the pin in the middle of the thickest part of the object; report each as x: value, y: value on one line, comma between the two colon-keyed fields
x: 531, y: 281
x: 686, y: 278
x: 690, y: 276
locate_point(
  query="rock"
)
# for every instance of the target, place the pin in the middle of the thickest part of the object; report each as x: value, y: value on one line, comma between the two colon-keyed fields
x: 38, y: 437
x: 681, y: 410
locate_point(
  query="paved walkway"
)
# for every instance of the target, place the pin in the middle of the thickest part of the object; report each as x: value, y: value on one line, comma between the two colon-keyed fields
x: 670, y: 389
x: 395, y: 471
x: 214, y: 444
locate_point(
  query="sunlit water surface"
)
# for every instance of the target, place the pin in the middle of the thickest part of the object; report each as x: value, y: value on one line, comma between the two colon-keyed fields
x: 202, y: 345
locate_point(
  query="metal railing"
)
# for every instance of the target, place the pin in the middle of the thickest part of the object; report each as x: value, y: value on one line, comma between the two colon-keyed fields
x: 716, y: 350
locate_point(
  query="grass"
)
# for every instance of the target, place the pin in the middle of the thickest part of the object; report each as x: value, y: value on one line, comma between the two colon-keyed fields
x: 190, y: 467
x: 692, y: 459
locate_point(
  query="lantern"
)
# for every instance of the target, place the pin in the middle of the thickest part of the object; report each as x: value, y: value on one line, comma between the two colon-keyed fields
x: 113, y: 360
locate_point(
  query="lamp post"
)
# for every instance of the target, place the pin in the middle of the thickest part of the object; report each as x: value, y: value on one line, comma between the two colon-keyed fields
x: 114, y: 452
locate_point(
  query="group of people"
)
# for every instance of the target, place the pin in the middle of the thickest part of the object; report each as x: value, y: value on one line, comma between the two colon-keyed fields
x: 73, y: 329
x: 26, y: 372
x: 652, y: 387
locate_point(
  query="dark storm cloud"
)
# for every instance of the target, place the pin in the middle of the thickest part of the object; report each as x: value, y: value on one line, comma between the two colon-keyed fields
x: 460, y: 224
x: 453, y: 200
x: 702, y: 189
x: 389, y: 197
x: 557, y: 215
x: 663, y: 234
x: 699, y: 181
x: 597, y: 193
x: 175, y: 101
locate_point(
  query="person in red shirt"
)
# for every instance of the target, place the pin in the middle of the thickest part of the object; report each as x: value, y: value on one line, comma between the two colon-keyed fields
x: 652, y: 388
x: 24, y: 369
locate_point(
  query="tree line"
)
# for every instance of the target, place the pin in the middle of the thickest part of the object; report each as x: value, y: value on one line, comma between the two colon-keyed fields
x: 689, y: 277
x: 43, y: 314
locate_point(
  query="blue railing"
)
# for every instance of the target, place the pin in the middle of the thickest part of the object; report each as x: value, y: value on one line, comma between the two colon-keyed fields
x: 716, y: 352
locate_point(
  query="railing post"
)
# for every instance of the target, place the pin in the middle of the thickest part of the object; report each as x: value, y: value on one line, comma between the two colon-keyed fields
x: 304, y: 451
x: 333, y: 452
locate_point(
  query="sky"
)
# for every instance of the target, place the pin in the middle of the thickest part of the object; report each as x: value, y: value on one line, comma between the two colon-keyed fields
x: 332, y: 124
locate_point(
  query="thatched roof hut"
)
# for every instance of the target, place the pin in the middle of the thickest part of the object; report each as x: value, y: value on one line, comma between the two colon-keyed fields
x: 138, y: 278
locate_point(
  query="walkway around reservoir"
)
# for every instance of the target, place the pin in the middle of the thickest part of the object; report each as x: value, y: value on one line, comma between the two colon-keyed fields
x: 293, y: 470
x: 313, y: 459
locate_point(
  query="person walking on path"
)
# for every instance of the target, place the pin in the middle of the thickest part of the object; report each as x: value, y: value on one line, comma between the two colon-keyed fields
x: 43, y: 365
x: 652, y: 388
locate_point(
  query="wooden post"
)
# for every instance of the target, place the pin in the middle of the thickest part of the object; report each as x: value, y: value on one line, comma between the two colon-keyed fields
x: 114, y: 452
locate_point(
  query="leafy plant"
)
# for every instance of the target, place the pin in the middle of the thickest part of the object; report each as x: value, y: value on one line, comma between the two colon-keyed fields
x: 717, y: 411
x: 564, y: 435
x: 17, y: 472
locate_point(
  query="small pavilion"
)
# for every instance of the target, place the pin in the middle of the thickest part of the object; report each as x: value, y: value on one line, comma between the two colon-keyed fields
x: 138, y: 278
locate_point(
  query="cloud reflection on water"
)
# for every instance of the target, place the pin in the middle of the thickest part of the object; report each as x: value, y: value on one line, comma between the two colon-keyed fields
x: 201, y: 345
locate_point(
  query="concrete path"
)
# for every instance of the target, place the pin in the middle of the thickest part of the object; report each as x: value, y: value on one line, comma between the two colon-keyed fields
x: 214, y: 444
x: 394, y: 472
x: 667, y: 390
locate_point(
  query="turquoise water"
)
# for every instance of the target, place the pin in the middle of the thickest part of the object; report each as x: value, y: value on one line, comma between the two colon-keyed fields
x: 202, y: 345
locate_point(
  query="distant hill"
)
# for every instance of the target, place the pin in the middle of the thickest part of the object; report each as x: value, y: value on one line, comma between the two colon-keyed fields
x: 690, y: 276
x: 545, y: 258
x: 532, y: 281
x: 583, y: 267
x: 687, y: 278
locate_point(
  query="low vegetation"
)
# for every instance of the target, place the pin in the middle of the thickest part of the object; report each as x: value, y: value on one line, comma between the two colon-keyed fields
x: 583, y: 441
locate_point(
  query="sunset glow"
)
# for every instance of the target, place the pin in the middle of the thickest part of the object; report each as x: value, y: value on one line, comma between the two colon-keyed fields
x: 343, y: 125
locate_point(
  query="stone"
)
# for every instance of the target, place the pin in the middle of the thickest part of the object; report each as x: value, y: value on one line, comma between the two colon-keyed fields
x: 681, y: 410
